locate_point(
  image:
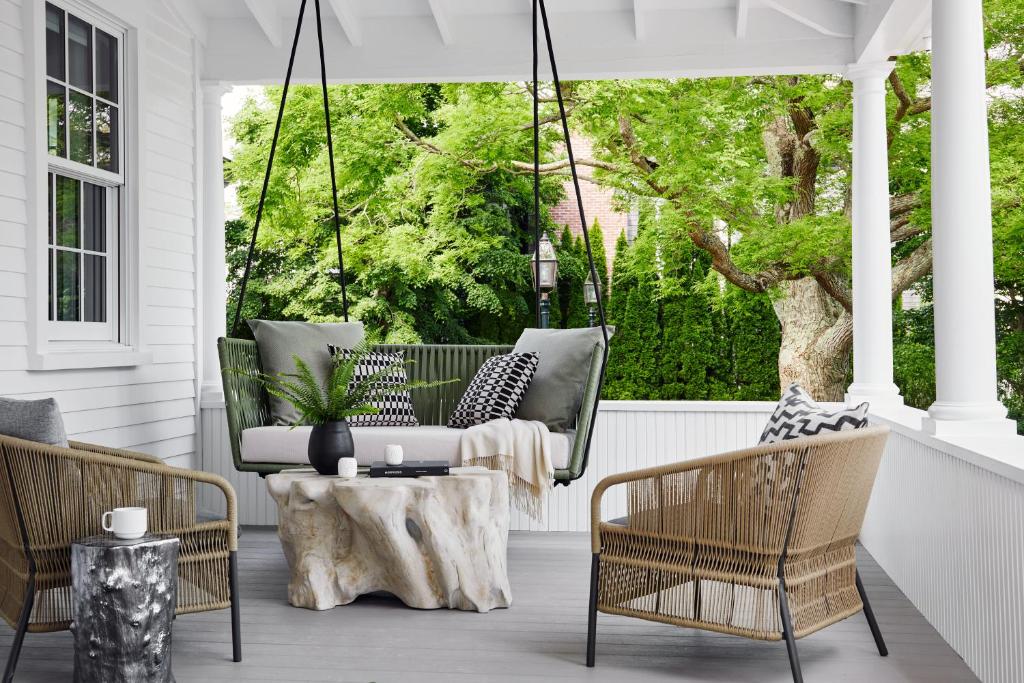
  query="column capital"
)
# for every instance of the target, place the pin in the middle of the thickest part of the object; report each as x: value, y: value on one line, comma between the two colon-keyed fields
x: 214, y: 90
x: 869, y: 70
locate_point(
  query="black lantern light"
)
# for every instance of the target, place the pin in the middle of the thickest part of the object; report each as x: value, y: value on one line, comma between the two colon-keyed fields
x: 545, y: 275
x: 590, y: 298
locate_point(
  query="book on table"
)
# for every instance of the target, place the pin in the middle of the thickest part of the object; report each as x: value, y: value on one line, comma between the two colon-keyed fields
x: 410, y: 468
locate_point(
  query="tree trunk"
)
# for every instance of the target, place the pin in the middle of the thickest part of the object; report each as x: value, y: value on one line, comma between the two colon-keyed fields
x: 816, y: 340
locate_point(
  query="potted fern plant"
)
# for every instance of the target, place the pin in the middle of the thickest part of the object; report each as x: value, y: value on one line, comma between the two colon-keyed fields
x: 342, y: 395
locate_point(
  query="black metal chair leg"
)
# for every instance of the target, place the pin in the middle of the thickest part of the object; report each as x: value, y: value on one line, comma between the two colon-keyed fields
x: 236, y: 626
x: 787, y: 633
x: 595, y: 568
x: 872, y: 622
x: 19, y: 633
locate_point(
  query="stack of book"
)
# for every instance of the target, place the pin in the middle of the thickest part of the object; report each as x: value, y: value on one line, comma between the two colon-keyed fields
x: 410, y: 468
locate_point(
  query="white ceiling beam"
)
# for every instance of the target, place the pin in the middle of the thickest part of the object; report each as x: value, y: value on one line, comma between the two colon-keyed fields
x: 639, y: 20
x: 345, y: 13
x: 443, y: 19
x: 831, y: 19
x: 265, y: 12
x: 890, y: 27
x: 742, y: 15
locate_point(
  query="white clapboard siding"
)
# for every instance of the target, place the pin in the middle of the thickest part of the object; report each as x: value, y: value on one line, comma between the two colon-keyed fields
x: 151, y: 407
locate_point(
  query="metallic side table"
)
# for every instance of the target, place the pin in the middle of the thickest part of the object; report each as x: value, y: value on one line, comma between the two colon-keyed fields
x: 124, y: 594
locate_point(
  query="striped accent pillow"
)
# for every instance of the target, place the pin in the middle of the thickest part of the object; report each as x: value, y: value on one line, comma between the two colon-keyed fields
x: 799, y: 415
x: 395, y: 410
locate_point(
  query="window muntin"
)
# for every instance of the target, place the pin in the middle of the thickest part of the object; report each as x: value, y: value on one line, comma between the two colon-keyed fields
x: 83, y: 118
x: 85, y: 182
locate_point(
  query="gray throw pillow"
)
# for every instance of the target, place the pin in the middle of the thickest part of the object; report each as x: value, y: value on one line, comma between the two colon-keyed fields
x: 279, y: 340
x: 38, y: 421
x: 556, y: 391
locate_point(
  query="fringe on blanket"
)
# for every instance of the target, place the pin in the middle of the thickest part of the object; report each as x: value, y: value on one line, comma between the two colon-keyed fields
x: 527, y: 497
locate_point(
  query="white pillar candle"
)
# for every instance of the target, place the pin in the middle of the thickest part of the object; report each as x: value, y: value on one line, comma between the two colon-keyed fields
x: 347, y: 468
x: 393, y: 454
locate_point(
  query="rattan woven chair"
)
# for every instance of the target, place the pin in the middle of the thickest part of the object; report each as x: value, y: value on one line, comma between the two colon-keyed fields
x: 49, y: 496
x: 759, y: 543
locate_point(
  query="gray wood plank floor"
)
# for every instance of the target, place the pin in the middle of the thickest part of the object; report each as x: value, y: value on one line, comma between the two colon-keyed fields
x: 540, y: 638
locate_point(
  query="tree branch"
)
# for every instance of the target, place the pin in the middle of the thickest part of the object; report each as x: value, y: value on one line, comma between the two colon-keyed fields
x: 912, y: 268
x: 836, y: 288
x: 722, y: 261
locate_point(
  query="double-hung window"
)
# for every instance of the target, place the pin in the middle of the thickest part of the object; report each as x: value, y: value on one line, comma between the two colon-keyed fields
x: 85, y: 176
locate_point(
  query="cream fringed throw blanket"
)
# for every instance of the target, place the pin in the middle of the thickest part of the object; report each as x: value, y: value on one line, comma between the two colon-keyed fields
x: 522, y: 449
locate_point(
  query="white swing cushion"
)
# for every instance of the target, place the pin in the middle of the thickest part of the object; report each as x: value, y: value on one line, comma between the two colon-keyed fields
x: 278, y: 444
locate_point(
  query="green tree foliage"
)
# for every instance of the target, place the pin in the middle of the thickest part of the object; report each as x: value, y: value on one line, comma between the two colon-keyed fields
x: 435, y: 250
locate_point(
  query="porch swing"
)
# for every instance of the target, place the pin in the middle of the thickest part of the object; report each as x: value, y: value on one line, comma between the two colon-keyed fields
x: 246, y: 400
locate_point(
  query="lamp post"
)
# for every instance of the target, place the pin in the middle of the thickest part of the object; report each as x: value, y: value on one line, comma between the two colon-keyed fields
x: 590, y: 298
x: 545, y: 276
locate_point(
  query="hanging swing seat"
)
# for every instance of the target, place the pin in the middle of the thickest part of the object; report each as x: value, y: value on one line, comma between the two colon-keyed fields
x: 248, y: 405
x: 247, y: 401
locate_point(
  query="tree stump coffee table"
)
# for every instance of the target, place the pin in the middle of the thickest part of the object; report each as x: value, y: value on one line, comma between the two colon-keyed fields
x: 431, y: 542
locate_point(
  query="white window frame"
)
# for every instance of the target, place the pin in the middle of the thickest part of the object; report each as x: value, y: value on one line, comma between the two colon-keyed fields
x: 66, y: 345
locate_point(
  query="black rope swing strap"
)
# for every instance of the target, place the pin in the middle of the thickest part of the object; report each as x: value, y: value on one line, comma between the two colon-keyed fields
x: 270, y: 165
x: 572, y: 167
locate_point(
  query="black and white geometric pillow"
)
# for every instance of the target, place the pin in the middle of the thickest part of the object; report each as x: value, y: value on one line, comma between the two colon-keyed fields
x: 394, y: 410
x: 496, y: 391
x: 799, y: 415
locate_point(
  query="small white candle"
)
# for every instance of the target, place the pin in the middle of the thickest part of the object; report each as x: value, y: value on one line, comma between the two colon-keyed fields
x: 347, y: 468
x: 393, y: 454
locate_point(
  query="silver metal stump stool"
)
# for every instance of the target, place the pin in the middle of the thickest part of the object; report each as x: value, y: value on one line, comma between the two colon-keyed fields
x: 123, y: 600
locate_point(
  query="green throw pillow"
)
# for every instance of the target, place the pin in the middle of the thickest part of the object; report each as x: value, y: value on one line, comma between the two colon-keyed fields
x: 279, y: 340
x: 556, y: 391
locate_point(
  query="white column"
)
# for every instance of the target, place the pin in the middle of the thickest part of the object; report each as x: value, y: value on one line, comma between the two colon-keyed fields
x: 872, y: 259
x: 213, y: 292
x: 965, y: 344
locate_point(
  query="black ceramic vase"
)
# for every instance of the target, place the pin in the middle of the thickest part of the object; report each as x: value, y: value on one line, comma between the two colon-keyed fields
x: 328, y: 443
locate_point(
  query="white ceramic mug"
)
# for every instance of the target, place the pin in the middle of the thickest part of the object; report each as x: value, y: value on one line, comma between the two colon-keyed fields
x: 393, y: 454
x: 126, y: 523
x: 347, y: 468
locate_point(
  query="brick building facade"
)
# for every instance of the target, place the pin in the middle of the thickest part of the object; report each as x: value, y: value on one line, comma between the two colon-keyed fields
x: 598, y: 204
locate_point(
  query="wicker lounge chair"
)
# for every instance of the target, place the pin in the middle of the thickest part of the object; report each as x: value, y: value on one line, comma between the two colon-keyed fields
x: 757, y: 543
x: 50, y: 496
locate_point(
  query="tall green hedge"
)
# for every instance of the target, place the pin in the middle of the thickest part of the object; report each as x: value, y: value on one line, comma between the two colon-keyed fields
x: 684, y: 334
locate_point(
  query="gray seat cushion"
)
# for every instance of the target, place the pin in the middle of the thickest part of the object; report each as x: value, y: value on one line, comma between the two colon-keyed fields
x: 38, y: 421
x: 426, y: 442
x: 556, y: 391
x: 279, y: 340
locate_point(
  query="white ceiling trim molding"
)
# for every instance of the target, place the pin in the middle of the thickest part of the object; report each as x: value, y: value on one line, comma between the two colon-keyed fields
x: 742, y: 17
x: 443, y: 20
x: 827, y: 18
x: 891, y: 27
x: 266, y: 14
x: 345, y: 13
x: 639, y: 20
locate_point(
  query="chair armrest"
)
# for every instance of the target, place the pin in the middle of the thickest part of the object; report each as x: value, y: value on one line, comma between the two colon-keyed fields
x: 105, y: 450
x: 103, y: 479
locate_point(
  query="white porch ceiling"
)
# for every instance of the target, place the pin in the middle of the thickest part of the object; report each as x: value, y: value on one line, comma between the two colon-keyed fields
x: 247, y: 41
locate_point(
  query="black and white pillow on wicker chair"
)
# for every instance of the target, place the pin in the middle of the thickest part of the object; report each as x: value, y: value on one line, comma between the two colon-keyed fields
x: 496, y: 391
x: 799, y: 415
x: 394, y: 410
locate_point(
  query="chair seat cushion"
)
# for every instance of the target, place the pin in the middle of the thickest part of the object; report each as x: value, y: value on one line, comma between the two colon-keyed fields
x: 286, y: 445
